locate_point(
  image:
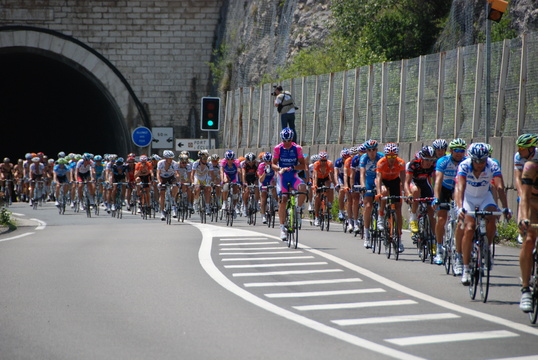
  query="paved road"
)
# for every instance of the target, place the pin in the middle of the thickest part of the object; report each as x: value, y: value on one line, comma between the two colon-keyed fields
x: 104, y: 288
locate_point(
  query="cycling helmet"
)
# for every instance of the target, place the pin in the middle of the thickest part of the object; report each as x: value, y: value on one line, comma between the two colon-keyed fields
x: 36, y: 159
x: 457, y: 143
x: 28, y: 156
x: 62, y: 161
x: 183, y: 158
x: 78, y: 157
x: 112, y: 157
x: 61, y: 154
x: 98, y: 158
x: 427, y: 152
x: 168, y: 154
x: 323, y: 155
x: 490, y: 149
x: 119, y: 161
x: 215, y: 157
x: 6, y: 160
x: 203, y: 153
x: 229, y: 155
x: 370, y: 144
x: 353, y: 151
x: 478, y: 151
x: 361, y: 148
x: 51, y: 161
x: 40, y: 154
x: 391, y: 149
x: 143, y: 158
x: 156, y: 157
x: 314, y: 158
x: 344, y: 153
x: 267, y: 156
x: 250, y: 156
x: 87, y: 156
x: 439, y: 144
x: 527, y: 141
x: 286, y: 134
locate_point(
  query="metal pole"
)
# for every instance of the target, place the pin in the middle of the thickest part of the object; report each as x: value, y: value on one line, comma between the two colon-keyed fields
x: 488, y: 74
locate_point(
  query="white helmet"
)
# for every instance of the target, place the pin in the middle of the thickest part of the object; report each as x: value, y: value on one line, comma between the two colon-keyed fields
x: 168, y: 154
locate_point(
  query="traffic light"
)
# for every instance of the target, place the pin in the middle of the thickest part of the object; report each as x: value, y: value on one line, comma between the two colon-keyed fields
x: 210, y: 114
x: 496, y: 9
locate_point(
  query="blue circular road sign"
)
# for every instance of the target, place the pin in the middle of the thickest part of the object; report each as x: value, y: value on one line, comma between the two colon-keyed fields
x: 142, y: 136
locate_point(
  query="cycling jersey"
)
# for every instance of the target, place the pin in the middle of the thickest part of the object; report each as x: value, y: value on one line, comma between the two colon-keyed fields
x: 167, y: 171
x: 61, y: 170
x: 387, y: 172
x: 267, y: 169
x: 478, y: 187
x: 84, y: 166
x: 184, y: 172
x: 370, y: 165
x: 323, y: 173
x: 519, y: 162
x: 339, y: 167
x: 37, y: 169
x: 449, y: 168
x: 144, y: 169
x: 98, y: 170
x: 355, y: 165
x: 231, y: 170
x: 419, y: 173
x: 530, y: 176
x: 250, y: 171
x: 202, y: 172
x: 287, y: 157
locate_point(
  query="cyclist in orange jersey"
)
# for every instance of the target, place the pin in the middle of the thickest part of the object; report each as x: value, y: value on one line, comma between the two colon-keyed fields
x: 323, y: 175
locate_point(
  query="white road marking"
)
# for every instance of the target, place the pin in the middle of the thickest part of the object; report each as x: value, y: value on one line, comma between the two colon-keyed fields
x: 395, y: 319
x: 258, y: 243
x: 444, y: 338
x: 251, y: 266
x: 204, y: 256
x: 301, y: 283
x: 355, y: 305
x: 324, y: 293
x: 243, y: 239
x: 17, y: 237
x: 285, y: 251
x: 18, y: 214
x: 255, y: 249
x: 269, y: 258
x: 293, y: 272
x: 41, y: 225
x: 530, y: 357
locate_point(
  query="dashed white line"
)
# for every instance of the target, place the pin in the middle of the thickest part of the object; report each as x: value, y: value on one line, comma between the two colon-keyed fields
x: 301, y: 283
x: 395, y: 319
x: 324, y: 293
x: 255, y: 249
x: 355, y: 305
x: 293, y: 272
x: 285, y: 251
x: 269, y: 258
x: 251, y: 266
x: 444, y: 338
x: 243, y: 239
x: 256, y: 243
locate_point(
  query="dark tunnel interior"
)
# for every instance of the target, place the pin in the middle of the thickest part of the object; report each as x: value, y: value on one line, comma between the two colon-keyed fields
x: 47, y: 105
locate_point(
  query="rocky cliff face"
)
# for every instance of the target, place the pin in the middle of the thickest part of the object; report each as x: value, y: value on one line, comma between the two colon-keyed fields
x: 261, y: 35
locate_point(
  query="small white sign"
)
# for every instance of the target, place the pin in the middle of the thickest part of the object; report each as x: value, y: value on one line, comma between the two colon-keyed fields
x: 163, y: 138
x: 194, y: 144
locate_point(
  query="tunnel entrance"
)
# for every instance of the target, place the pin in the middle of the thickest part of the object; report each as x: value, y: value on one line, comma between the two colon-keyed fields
x: 50, y: 104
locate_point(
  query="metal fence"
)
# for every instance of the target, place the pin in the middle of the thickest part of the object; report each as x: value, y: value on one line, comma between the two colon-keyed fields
x: 434, y: 96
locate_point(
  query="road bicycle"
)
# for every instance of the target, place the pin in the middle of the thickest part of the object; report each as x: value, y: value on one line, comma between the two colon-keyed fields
x: 63, y: 197
x: 424, y: 237
x: 183, y: 211
x: 8, y: 192
x: 271, y: 206
x: 324, y: 209
x: 292, y: 222
x: 533, y: 283
x: 449, y: 244
x: 375, y: 233
x: 118, y: 200
x: 359, y: 222
x: 169, y: 202
x: 252, y: 205
x: 86, y: 203
x: 230, y: 206
x: 214, y: 205
x: 392, y: 236
x: 39, y: 193
x: 480, y: 264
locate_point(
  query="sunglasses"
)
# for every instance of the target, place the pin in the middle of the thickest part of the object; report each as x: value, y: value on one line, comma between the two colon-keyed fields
x: 480, y: 161
x: 458, y: 151
x: 391, y: 156
x: 375, y: 149
x: 323, y: 160
x: 522, y: 148
x: 429, y: 159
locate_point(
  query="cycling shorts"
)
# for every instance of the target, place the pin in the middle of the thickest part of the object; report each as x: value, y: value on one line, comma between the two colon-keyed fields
x: 289, y: 177
x: 446, y: 196
x: 425, y: 188
x: 81, y: 177
x: 251, y: 179
x: 470, y: 202
x: 370, y: 185
x: 393, y: 187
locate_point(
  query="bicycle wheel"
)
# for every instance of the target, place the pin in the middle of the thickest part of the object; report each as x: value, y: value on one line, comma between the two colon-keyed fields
x: 296, y: 227
x: 289, y: 226
x: 485, y: 270
x: 322, y: 219
x: 533, y: 284
x: 88, y: 208
x: 474, y: 270
x: 447, y: 242
x: 388, y: 240
x: 395, y: 235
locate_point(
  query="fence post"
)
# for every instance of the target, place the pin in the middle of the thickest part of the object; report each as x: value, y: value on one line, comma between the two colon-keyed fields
x: 401, y: 106
x: 369, y: 101
x: 459, y: 86
x: 521, y: 102
x: 249, y: 128
x: 240, y: 119
x: 330, y: 102
x: 440, y: 95
x: 316, y: 108
x: 356, y: 100
x: 420, y: 96
x: 231, y: 102
x: 505, y: 59
x: 260, y: 116
x: 343, y: 109
x: 478, y: 89
x: 383, y: 112
x: 303, y: 111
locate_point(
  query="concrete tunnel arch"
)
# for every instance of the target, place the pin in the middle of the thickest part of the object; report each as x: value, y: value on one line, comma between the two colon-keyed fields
x: 58, y: 94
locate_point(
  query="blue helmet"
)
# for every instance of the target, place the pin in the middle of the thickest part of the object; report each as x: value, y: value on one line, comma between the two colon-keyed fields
x: 478, y: 151
x: 267, y: 156
x: 370, y: 144
x: 286, y: 134
x: 229, y: 155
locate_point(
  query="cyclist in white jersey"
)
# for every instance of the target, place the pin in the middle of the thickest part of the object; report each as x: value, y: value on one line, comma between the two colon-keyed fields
x: 202, y: 174
x: 184, y: 171
x: 167, y: 174
x: 472, y: 190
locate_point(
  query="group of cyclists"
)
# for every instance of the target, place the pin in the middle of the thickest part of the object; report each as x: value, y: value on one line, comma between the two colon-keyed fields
x: 451, y: 174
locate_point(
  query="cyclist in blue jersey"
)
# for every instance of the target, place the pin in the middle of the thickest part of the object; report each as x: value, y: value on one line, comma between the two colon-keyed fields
x: 342, y: 191
x: 62, y: 175
x: 355, y: 180
x: 445, y: 181
x: 266, y: 176
x: 229, y: 174
x: 288, y: 159
x: 367, y: 167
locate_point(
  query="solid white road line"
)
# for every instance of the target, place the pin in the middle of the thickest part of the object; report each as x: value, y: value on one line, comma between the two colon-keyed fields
x: 204, y: 256
x: 41, y: 225
x: 292, y: 272
x: 355, y: 305
x: 301, y: 283
x: 395, y: 319
x: 324, y: 293
x: 255, y: 249
x: 274, y: 265
x: 444, y: 338
x: 530, y: 357
x: 17, y: 237
x: 269, y: 258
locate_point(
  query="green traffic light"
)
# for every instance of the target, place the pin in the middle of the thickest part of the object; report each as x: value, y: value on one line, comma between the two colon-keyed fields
x: 210, y: 123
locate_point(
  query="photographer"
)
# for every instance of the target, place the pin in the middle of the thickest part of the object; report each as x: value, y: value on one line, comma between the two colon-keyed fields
x: 286, y: 109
